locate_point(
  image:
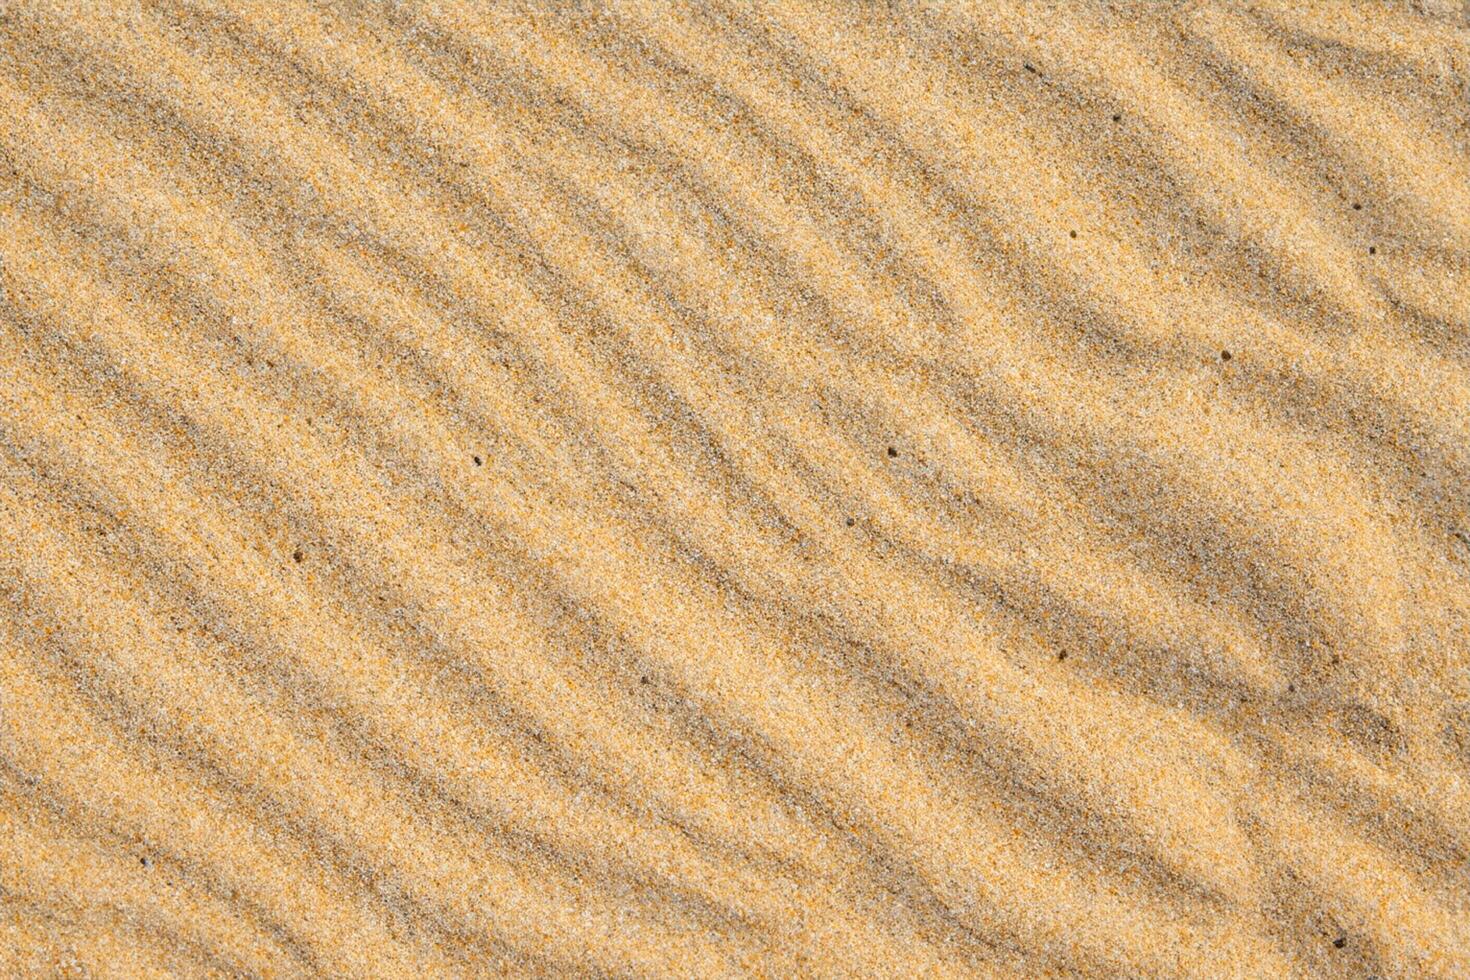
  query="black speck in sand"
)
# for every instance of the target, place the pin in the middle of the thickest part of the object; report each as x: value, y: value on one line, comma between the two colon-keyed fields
x: 1072, y: 234
x: 1117, y: 117
x: 892, y: 453
x: 850, y: 522
x: 1340, y: 942
x: 1225, y: 355
x: 1357, y: 206
x: 1372, y: 249
x: 479, y: 461
x: 298, y: 555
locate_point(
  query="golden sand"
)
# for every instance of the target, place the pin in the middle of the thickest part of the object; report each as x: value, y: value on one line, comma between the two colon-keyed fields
x: 721, y: 489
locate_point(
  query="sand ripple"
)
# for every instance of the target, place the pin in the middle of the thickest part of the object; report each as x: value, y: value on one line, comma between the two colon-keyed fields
x: 730, y: 489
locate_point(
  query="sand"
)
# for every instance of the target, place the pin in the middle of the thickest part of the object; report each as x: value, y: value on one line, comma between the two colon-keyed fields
x: 721, y: 489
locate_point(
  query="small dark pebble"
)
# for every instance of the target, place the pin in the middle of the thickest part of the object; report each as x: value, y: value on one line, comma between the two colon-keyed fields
x: 144, y: 861
x: 298, y: 555
x: 1340, y: 942
x: 1357, y: 206
x: 643, y: 679
x: 1062, y: 655
x: 1291, y: 689
x: 850, y: 522
x: 892, y: 453
x: 1031, y: 68
x: 1072, y: 234
x: 1372, y: 250
x: 479, y: 461
x: 1117, y: 117
x: 1224, y: 355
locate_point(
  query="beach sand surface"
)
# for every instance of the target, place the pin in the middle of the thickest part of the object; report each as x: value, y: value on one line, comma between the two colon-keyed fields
x: 728, y: 489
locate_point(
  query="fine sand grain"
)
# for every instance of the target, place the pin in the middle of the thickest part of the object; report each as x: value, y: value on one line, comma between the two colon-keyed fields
x: 734, y: 489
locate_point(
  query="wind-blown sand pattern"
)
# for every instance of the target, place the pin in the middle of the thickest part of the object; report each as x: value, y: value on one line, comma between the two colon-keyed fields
x: 731, y: 489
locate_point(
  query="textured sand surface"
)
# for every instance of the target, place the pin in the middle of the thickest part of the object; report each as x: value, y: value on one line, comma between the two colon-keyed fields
x: 956, y: 489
